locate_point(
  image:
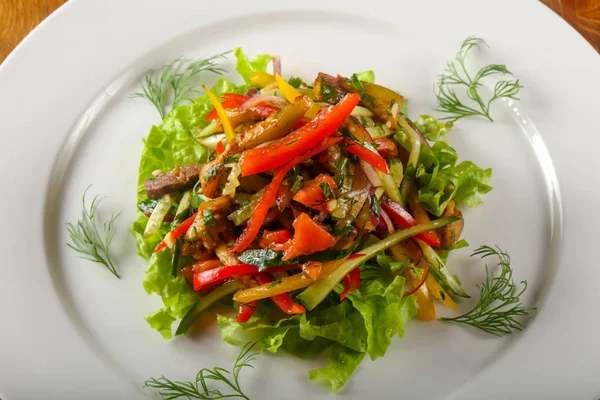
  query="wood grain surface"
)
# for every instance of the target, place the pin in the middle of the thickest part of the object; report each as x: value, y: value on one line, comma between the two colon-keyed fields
x: 19, y: 17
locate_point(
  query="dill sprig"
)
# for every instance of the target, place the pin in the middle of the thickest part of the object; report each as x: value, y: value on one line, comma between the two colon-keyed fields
x: 86, y: 238
x: 456, y: 74
x: 173, y: 81
x: 499, y: 301
x: 199, y: 389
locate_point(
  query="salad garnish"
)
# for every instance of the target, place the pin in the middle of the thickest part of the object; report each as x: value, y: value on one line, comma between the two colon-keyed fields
x: 499, y: 302
x: 317, y: 209
x: 200, y: 388
x: 172, y: 84
x: 456, y: 74
x: 86, y: 238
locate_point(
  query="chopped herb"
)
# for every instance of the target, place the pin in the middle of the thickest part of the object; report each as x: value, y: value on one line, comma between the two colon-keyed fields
x: 196, y: 200
x: 356, y: 83
x: 368, y: 99
x: 210, y: 236
x: 212, y: 172
x: 340, y: 166
x: 295, y: 81
x: 273, y: 284
x: 329, y: 93
x: 326, y: 189
x: 344, y: 230
x: 209, y: 218
x: 370, y: 146
x: 147, y: 206
x: 291, y: 142
x: 375, y: 205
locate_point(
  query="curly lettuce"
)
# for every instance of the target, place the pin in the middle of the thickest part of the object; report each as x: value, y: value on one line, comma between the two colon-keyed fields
x: 362, y: 324
x: 168, y: 145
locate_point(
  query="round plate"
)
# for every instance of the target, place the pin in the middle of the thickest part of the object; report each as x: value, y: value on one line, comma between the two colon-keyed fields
x: 70, y: 329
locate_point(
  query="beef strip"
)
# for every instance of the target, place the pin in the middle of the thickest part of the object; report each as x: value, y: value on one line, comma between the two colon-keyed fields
x: 181, y: 178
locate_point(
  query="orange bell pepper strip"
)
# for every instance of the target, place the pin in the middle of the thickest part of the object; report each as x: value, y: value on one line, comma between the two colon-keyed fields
x: 309, y: 238
x: 311, y: 195
x: 178, y: 231
x: 266, y: 201
x: 282, y: 151
x: 284, y: 301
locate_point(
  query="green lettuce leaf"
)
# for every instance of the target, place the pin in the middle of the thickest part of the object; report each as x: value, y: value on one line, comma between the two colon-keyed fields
x: 440, y: 179
x: 366, y: 76
x: 340, y: 323
x: 162, y: 321
x: 245, y: 67
x: 176, y: 293
x: 342, y: 363
x: 384, y: 311
x: 432, y: 128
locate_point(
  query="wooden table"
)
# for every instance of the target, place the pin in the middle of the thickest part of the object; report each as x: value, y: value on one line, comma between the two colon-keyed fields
x: 19, y: 17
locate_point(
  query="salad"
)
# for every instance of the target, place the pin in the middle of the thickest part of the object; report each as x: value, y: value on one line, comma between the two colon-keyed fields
x: 312, y: 206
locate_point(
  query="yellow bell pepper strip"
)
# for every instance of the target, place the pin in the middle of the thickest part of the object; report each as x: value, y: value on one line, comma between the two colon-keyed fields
x: 290, y: 93
x: 294, y: 282
x: 222, y: 114
x: 439, y: 293
x: 318, y: 291
x: 261, y: 79
x: 424, y: 297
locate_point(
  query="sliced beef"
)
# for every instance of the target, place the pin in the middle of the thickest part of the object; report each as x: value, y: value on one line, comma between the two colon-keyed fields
x: 181, y: 178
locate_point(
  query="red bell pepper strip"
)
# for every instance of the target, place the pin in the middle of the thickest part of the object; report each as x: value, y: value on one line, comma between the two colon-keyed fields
x: 351, y: 282
x: 403, y: 219
x: 386, y: 147
x: 274, y: 239
x: 220, y: 147
x: 370, y: 157
x: 285, y: 149
x: 245, y: 311
x: 265, y: 202
x: 214, y: 275
x: 284, y: 301
x: 178, y: 231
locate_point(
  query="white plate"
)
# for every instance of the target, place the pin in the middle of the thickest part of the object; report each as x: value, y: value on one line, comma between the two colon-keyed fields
x: 69, y: 330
